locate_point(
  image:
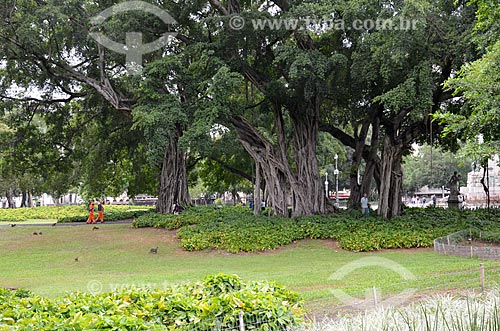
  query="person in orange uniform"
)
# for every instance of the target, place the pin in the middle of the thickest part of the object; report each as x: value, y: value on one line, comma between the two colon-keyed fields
x: 91, y: 218
x: 100, y: 211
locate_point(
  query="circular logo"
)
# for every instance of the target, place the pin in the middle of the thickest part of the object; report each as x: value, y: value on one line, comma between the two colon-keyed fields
x: 236, y: 22
x: 381, y: 262
x: 134, y: 48
x: 94, y: 287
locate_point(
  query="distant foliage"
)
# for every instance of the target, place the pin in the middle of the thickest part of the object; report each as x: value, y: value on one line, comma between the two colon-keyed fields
x: 433, y: 167
x: 70, y: 213
x: 190, y: 216
x: 237, y: 230
x: 214, y: 302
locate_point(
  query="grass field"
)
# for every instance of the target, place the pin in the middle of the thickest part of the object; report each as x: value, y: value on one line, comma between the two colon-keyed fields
x: 118, y: 255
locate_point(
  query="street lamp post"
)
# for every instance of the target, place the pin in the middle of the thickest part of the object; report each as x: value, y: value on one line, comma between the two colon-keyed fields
x: 336, y: 172
x: 326, y: 184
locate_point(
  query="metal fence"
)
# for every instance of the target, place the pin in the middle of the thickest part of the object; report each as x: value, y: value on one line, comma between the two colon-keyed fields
x: 481, y: 279
x: 462, y: 243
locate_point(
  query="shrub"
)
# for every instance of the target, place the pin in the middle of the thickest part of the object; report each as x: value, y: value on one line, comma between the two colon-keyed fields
x: 235, y: 229
x: 216, y: 301
x: 190, y: 216
x: 69, y: 213
x: 108, y: 216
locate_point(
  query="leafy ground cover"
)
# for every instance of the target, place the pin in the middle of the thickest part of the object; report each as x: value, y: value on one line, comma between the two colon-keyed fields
x: 211, y: 304
x: 69, y: 213
x: 437, y: 313
x: 237, y: 230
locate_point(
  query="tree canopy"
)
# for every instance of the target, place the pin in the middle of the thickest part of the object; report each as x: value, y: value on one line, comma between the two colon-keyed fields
x: 234, y: 104
x: 477, y: 83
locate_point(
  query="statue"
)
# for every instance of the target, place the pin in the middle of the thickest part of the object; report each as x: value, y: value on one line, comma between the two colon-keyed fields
x: 454, y: 185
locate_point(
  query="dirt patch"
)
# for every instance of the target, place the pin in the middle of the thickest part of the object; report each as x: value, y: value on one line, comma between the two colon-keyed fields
x: 332, y: 244
x: 143, y: 235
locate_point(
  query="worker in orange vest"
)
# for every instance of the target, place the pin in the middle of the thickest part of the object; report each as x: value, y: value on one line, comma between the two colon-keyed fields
x: 91, y: 218
x: 100, y: 211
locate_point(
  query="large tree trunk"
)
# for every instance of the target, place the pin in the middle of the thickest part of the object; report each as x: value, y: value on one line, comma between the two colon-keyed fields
x: 30, y: 199
x: 391, y: 179
x: 306, y: 185
x: 256, y: 193
x: 24, y: 199
x: 372, y: 161
x: 282, y: 183
x: 364, y: 186
x: 270, y: 168
x: 360, y: 153
x: 485, y: 182
x: 10, y: 198
x: 173, y: 186
x: 269, y: 163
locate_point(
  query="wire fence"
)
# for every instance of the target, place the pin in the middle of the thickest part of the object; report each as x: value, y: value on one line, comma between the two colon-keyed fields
x: 462, y: 243
x: 476, y: 280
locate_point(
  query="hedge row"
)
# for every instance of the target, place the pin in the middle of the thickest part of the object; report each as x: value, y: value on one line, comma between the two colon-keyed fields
x: 69, y: 213
x: 207, y: 305
x: 237, y: 230
x: 192, y: 215
x: 108, y: 216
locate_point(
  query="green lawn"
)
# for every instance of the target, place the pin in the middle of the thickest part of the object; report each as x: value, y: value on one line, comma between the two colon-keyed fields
x: 116, y: 255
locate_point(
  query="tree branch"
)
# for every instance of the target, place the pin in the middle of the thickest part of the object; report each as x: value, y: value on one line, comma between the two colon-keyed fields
x: 337, y: 133
x: 219, y: 7
x: 231, y: 169
x: 282, y: 4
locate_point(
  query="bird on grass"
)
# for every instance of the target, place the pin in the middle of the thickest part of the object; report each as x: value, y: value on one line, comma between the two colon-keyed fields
x: 12, y: 225
x: 95, y: 228
x: 37, y: 233
x: 54, y: 224
x: 76, y: 259
x: 154, y: 250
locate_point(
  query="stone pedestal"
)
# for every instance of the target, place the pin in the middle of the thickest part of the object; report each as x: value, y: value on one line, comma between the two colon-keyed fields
x: 453, y: 204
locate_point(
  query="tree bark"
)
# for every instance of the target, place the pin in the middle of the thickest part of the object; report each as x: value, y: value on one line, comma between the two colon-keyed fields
x: 30, y: 199
x: 391, y: 179
x: 372, y: 161
x: 23, y: 199
x: 362, y: 151
x: 300, y: 181
x: 271, y: 166
x: 173, y: 186
x: 256, y: 193
x: 485, y: 182
x: 10, y: 198
x: 306, y: 184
